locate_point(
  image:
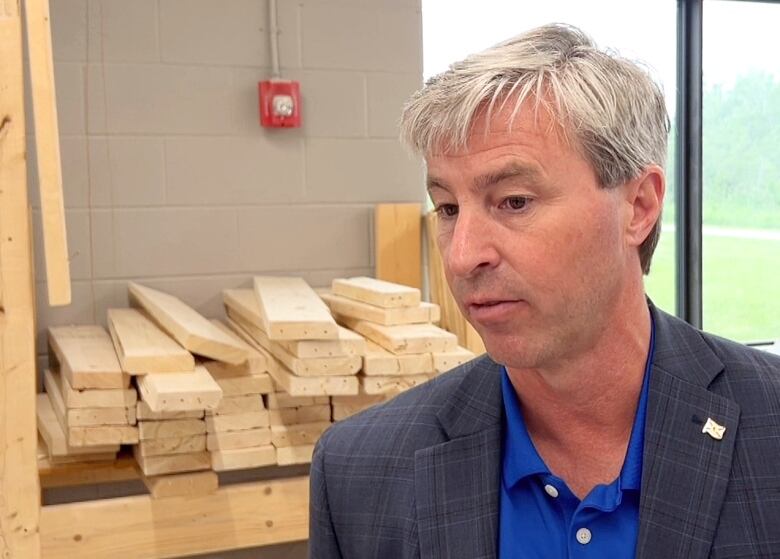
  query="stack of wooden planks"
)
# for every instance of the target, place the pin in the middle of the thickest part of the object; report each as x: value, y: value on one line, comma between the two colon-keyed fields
x: 296, y: 424
x: 88, y: 409
x: 239, y: 435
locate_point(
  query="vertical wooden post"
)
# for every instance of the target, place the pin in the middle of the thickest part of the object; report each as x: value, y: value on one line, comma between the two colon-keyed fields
x: 398, y: 240
x: 19, y: 485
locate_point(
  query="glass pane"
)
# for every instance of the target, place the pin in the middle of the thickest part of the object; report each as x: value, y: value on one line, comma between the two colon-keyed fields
x: 741, y: 134
x: 452, y: 29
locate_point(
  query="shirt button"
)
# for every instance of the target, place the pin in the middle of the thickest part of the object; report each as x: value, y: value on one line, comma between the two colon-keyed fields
x: 584, y: 536
x: 551, y: 490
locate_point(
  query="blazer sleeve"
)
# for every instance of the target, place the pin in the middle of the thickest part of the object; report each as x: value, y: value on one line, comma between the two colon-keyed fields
x: 322, y: 536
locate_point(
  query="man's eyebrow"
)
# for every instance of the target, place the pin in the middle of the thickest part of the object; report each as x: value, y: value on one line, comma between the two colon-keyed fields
x: 432, y: 182
x: 513, y: 171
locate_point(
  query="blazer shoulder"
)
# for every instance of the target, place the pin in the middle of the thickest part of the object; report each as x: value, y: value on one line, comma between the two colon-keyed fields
x: 401, y: 425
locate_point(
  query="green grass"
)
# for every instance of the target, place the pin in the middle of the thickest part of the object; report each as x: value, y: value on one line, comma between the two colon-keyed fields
x: 741, y: 285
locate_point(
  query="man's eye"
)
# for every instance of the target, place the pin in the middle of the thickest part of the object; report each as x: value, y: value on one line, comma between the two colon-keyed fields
x: 447, y: 210
x: 515, y: 202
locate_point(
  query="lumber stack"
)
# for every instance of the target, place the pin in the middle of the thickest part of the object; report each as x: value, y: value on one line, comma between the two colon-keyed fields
x: 238, y: 432
x: 88, y: 409
x: 309, y: 355
x: 296, y: 424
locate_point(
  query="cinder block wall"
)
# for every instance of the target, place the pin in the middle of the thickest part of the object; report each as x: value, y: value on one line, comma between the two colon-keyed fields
x: 169, y: 178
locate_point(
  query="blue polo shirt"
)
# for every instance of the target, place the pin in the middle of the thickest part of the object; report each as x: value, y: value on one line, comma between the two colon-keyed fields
x: 541, y: 518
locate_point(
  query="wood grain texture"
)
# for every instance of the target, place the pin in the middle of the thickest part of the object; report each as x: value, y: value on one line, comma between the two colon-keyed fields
x: 291, y: 310
x: 191, y: 484
x: 404, y: 339
x: 377, y: 292
x: 398, y: 243
x: 243, y: 458
x: 187, y: 326
x: 86, y: 357
x: 195, y: 390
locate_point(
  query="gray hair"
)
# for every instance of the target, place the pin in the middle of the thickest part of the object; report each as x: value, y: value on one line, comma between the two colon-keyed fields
x: 608, y: 105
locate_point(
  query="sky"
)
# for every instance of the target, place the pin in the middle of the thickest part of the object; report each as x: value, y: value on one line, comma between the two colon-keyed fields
x: 738, y: 36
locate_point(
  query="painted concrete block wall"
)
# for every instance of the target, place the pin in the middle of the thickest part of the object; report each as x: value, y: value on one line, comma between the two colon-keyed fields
x: 170, y: 180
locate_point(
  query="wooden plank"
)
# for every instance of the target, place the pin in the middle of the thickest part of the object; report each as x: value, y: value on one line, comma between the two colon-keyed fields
x: 232, y: 440
x: 144, y: 412
x: 193, y: 390
x: 54, y: 436
x: 361, y: 399
x: 391, y: 385
x: 142, y: 347
x: 172, y: 463
x: 377, y: 292
x: 47, y: 144
x: 187, y: 326
x: 444, y: 361
x: 93, y: 398
x: 348, y: 343
x: 182, y: 485
x: 422, y: 313
x: 173, y: 445
x: 344, y: 410
x: 295, y: 435
x: 93, y: 417
x: 103, y: 435
x: 278, y: 400
x: 303, y: 414
x: 289, y: 455
x: 310, y: 367
x: 19, y: 485
x: 291, y: 310
x: 313, y: 386
x: 243, y: 458
x: 245, y: 403
x: 170, y: 428
x: 236, y: 386
x: 236, y: 516
x: 404, y: 339
x: 240, y: 422
x: 398, y: 243
x: 86, y: 357
x: 82, y: 458
x: 256, y: 362
x: 379, y: 361
x: 87, y: 473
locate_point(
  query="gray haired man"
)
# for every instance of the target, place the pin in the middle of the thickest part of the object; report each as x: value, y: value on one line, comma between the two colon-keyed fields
x: 596, y: 425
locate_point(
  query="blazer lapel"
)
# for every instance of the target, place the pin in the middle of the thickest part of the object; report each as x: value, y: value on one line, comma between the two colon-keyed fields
x: 685, y: 471
x: 457, y: 482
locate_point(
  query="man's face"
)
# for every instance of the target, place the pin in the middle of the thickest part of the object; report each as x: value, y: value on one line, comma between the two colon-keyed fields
x: 533, y: 247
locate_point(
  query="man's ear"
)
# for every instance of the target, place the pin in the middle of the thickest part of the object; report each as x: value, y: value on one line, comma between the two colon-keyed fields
x: 644, y: 201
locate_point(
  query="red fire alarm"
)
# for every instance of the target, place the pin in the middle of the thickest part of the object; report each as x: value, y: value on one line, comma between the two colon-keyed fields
x: 280, y: 103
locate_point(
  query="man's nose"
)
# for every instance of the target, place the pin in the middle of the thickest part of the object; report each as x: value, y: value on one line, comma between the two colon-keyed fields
x: 471, y: 246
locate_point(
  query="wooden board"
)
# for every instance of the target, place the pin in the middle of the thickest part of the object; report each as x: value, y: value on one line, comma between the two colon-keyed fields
x: 444, y: 361
x: 240, y: 422
x: 187, y: 326
x: 144, y: 412
x: 289, y: 455
x: 256, y: 362
x: 243, y: 458
x: 377, y: 292
x: 250, y: 384
x: 89, y: 458
x: 193, y: 390
x: 379, y: 361
x: 390, y: 385
x: 236, y: 516
x: 170, y: 428
x: 303, y: 414
x: 295, y: 435
x: 19, y: 483
x: 86, y: 357
x: 173, y: 463
x: 361, y: 399
x: 348, y: 343
x: 422, y: 313
x: 232, y: 405
x: 47, y: 148
x: 190, y: 484
x: 313, y: 386
x: 93, y: 417
x: 54, y: 436
x: 398, y: 243
x: 404, y: 339
x: 291, y: 310
x: 278, y: 400
x: 309, y: 367
x: 343, y: 411
x: 142, y: 347
x: 104, y: 435
x: 232, y: 440
x: 93, y: 398
x: 173, y: 445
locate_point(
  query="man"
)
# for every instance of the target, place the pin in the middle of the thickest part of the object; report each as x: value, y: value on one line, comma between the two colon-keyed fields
x: 597, y: 425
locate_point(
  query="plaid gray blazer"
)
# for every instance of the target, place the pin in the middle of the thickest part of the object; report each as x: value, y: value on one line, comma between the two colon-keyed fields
x: 418, y: 477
